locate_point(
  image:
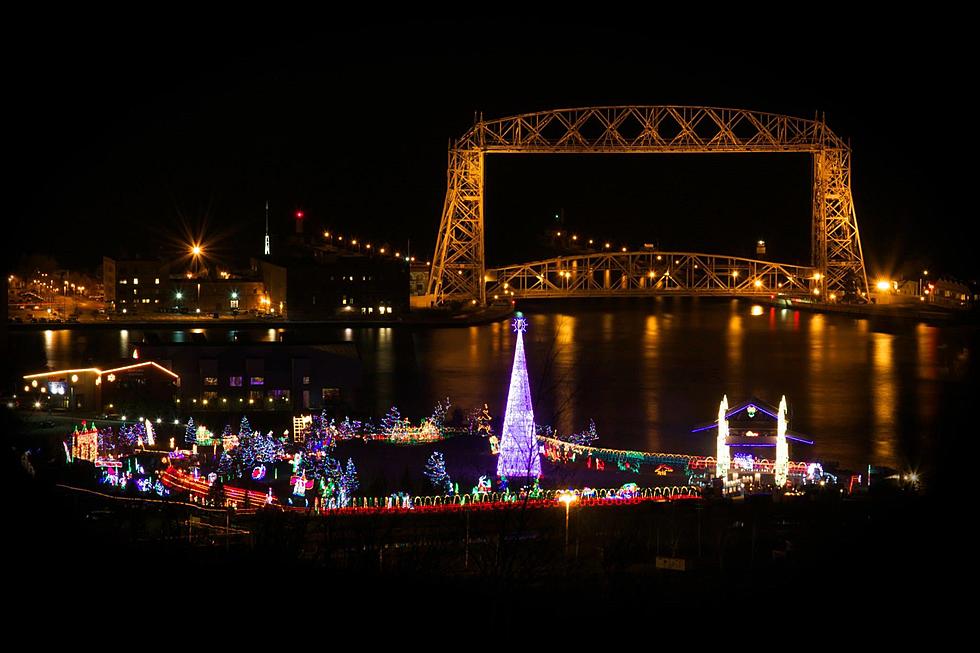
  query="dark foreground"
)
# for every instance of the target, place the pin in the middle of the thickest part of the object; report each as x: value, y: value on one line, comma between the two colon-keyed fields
x: 821, y: 550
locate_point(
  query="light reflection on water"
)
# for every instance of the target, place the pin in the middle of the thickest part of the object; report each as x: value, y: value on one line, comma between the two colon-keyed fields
x: 645, y: 371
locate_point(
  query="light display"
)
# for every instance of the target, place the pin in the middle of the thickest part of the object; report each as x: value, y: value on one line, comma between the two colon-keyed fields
x: 781, y: 469
x: 85, y: 443
x: 258, y: 473
x: 519, y: 455
x: 302, y: 426
x: 402, y: 502
x: 722, y: 455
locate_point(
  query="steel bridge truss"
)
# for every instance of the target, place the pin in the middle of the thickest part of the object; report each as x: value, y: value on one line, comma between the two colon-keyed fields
x: 649, y: 273
x: 458, y: 269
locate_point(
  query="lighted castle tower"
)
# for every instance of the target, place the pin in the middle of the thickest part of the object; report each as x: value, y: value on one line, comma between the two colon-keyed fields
x: 518, y: 445
x: 782, y: 446
x: 722, y: 456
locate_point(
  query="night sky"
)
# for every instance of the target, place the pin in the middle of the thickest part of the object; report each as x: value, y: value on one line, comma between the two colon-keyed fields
x: 122, y: 140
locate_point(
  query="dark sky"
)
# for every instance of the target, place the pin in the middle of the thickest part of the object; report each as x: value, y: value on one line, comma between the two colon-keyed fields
x: 122, y: 138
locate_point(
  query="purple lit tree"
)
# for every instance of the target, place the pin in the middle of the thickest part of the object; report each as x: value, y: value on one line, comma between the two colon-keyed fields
x: 518, y: 445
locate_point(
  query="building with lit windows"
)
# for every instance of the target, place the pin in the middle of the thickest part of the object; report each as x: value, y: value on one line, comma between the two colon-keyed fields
x: 136, y: 284
x: 268, y: 376
x: 323, y: 283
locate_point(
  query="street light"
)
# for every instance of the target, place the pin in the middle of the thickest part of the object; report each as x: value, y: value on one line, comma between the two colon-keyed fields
x: 567, y: 498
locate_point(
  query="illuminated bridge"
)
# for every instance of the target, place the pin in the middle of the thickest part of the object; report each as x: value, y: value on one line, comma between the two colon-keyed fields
x: 836, y: 268
x: 650, y: 273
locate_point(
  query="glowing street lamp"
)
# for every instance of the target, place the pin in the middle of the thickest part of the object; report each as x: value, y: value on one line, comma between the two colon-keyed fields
x: 567, y: 498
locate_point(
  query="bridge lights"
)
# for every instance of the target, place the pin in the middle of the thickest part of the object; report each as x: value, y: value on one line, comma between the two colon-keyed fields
x: 607, y: 245
x: 735, y: 274
x: 757, y: 283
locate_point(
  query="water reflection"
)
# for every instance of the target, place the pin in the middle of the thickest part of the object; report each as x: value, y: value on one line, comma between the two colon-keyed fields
x: 646, y: 372
x: 884, y: 396
x: 123, y: 343
x: 651, y: 371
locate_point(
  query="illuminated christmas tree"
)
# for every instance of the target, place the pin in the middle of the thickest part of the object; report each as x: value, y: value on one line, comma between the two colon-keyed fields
x: 435, y: 471
x: 391, y: 422
x: 518, y: 445
x: 190, y: 435
x: 349, y: 482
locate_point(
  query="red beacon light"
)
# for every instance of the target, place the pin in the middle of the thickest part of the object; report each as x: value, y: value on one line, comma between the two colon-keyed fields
x: 299, y: 214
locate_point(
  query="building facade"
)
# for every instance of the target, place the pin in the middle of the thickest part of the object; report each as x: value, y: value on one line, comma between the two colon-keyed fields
x: 266, y: 376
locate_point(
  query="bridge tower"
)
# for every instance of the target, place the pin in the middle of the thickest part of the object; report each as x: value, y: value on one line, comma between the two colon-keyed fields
x: 458, y: 271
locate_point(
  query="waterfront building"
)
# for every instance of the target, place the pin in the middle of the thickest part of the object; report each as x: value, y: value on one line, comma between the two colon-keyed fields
x: 136, y: 283
x: 137, y: 384
x: 323, y: 282
x: 267, y: 376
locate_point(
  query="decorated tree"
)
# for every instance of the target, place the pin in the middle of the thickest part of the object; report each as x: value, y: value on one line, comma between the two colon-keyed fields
x: 391, y: 422
x: 349, y: 482
x: 226, y: 464
x: 190, y: 434
x: 435, y: 471
x: 438, y: 417
x: 225, y: 432
x: 265, y: 448
x: 245, y: 428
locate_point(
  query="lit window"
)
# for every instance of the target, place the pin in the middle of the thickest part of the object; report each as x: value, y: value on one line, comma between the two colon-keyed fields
x: 235, y: 381
x: 256, y: 380
x: 135, y: 281
x: 306, y: 380
x: 123, y: 281
x: 210, y: 380
x: 156, y: 281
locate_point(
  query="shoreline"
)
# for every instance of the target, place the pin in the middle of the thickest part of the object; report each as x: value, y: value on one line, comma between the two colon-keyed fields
x: 475, y: 318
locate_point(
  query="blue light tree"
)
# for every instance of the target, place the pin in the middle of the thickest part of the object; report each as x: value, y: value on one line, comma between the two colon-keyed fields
x: 435, y: 471
x: 190, y: 435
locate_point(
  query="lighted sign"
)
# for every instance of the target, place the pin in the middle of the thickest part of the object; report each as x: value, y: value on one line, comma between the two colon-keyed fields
x: 57, y: 387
